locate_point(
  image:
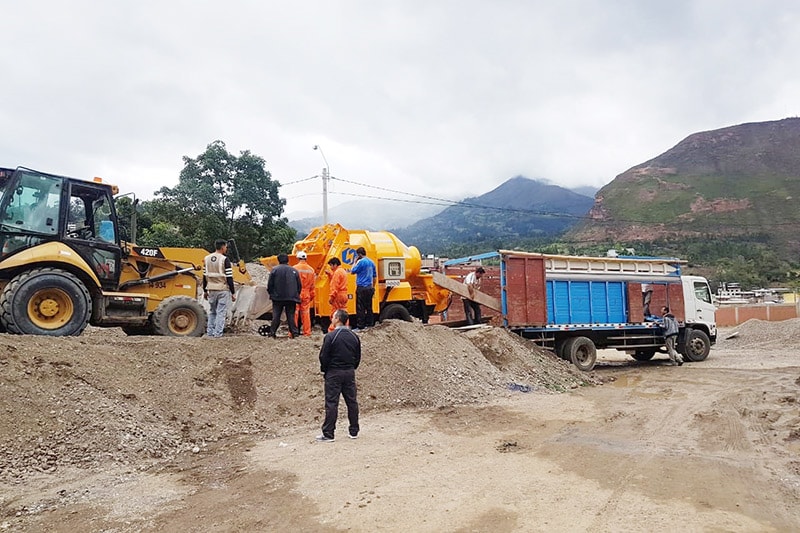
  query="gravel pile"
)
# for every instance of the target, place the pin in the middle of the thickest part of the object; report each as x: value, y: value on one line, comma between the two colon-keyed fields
x: 101, y: 397
x: 760, y: 334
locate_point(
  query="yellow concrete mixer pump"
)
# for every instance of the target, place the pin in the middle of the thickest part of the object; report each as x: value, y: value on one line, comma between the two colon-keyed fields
x: 403, y: 291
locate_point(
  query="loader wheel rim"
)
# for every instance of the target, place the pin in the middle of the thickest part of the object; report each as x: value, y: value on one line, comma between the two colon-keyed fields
x: 50, y: 308
x: 182, y: 321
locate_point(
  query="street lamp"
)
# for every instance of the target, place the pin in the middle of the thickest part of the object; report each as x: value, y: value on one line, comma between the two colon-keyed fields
x: 325, y: 177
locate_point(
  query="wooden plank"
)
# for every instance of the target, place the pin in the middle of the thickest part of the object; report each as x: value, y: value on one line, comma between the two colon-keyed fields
x: 462, y: 290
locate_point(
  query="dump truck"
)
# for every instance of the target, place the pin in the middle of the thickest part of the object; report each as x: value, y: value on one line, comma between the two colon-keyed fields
x: 63, y: 264
x: 577, y: 304
x: 404, y: 290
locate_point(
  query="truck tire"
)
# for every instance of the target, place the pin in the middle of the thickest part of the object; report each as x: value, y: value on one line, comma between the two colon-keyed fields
x: 395, y: 311
x: 560, y: 349
x: 179, y: 316
x: 582, y: 353
x: 697, y: 345
x: 644, y: 354
x: 45, y: 301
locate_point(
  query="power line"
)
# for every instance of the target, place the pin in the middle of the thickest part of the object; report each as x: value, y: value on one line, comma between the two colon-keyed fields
x: 299, y: 181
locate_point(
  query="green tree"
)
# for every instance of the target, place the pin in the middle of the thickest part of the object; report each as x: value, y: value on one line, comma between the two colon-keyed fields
x: 220, y: 195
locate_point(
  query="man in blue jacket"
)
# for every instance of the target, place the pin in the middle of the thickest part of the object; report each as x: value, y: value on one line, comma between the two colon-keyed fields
x: 366, y: 274
x: 339, y: 357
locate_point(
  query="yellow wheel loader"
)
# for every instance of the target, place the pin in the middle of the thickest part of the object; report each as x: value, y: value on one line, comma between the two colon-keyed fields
x: 63, y: 265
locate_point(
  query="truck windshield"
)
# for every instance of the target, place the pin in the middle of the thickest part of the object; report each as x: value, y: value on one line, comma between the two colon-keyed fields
x: 30, y: 203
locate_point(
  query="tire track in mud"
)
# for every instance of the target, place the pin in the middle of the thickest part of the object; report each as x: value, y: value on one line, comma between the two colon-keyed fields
x: 623, y: 485
x: 664, y: 418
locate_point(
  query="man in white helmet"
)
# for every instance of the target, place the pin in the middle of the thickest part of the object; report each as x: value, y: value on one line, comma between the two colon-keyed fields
x: 308, y: 279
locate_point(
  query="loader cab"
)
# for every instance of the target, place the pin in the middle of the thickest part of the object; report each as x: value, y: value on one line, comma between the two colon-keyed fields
x: 36, y: 208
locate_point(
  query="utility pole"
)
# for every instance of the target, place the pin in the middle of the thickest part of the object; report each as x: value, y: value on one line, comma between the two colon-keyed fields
x: 325, y: 178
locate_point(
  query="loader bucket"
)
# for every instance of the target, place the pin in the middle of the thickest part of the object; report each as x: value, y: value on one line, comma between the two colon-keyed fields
x: 252, y: 302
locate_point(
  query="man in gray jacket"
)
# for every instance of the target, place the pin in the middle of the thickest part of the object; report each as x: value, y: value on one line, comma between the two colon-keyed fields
x: 670, y: 328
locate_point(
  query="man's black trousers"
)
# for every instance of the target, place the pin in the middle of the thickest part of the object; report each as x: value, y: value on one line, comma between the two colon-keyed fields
x: 472, y: 312
x: 364, y: 316
x: 278, y: 307
x: 340, y: 381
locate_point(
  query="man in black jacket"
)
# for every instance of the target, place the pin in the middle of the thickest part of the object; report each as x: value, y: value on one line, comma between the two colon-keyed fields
x: 284, y: 291
x: 338, y: 359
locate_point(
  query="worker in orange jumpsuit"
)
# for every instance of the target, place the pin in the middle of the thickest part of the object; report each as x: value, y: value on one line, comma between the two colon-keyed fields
x: 338, y: 290
x: 307, y: 280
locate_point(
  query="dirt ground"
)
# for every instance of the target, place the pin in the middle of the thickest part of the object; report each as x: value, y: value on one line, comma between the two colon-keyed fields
x: 461, y: 431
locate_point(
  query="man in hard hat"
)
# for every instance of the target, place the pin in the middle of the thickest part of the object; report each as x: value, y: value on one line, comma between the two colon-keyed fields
x: 307, y: 280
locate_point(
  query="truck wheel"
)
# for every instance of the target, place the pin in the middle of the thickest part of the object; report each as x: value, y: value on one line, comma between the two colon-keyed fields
x: 45, y: 301
x: 560, y: 349
x: 697, y: 345
x: 395, y: 311
x: 582, y: 353
x: 643, y: 354
x: 180, y: 316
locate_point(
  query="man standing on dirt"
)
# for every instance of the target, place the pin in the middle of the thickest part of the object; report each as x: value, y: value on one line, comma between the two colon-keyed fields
x: 337, y: 296
x: 307, y: 280
x: 218, y: 287
x: 670, y: 328
x: 366, y: 273
x: 472, y: 309
x: 339, y: 358
x: 283, y: 287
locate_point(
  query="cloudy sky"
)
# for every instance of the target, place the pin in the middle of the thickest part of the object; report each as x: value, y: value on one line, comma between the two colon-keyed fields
x: 446, y: 98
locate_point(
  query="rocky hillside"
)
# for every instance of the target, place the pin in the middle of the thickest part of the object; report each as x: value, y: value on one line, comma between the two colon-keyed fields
x: 519, y: 210
x: 736, y: 182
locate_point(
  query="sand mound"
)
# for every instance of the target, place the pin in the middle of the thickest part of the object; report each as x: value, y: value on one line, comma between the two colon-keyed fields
x: 137, y: 400
x: 760, y: 334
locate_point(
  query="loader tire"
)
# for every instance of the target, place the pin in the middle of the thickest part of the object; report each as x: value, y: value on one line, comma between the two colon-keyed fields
x: 179, y: 316
x: 697, y: 346
x: 395, y: 311
x: 45, y: 301
x: 582, y: 353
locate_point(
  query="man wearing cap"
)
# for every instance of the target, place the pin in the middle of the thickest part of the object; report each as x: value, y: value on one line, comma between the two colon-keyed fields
x: 366, y: 273
x: 472, y: 309
x: 307, y: 280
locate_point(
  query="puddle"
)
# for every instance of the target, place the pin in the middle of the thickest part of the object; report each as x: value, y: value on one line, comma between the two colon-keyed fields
x: 626, y: 381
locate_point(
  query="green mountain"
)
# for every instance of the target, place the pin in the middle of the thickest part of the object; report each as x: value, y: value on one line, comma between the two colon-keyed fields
x: 520, y: 211
x: 735, y: 185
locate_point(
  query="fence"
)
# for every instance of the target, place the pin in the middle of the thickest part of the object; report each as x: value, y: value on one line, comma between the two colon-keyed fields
x: 734, y: 315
